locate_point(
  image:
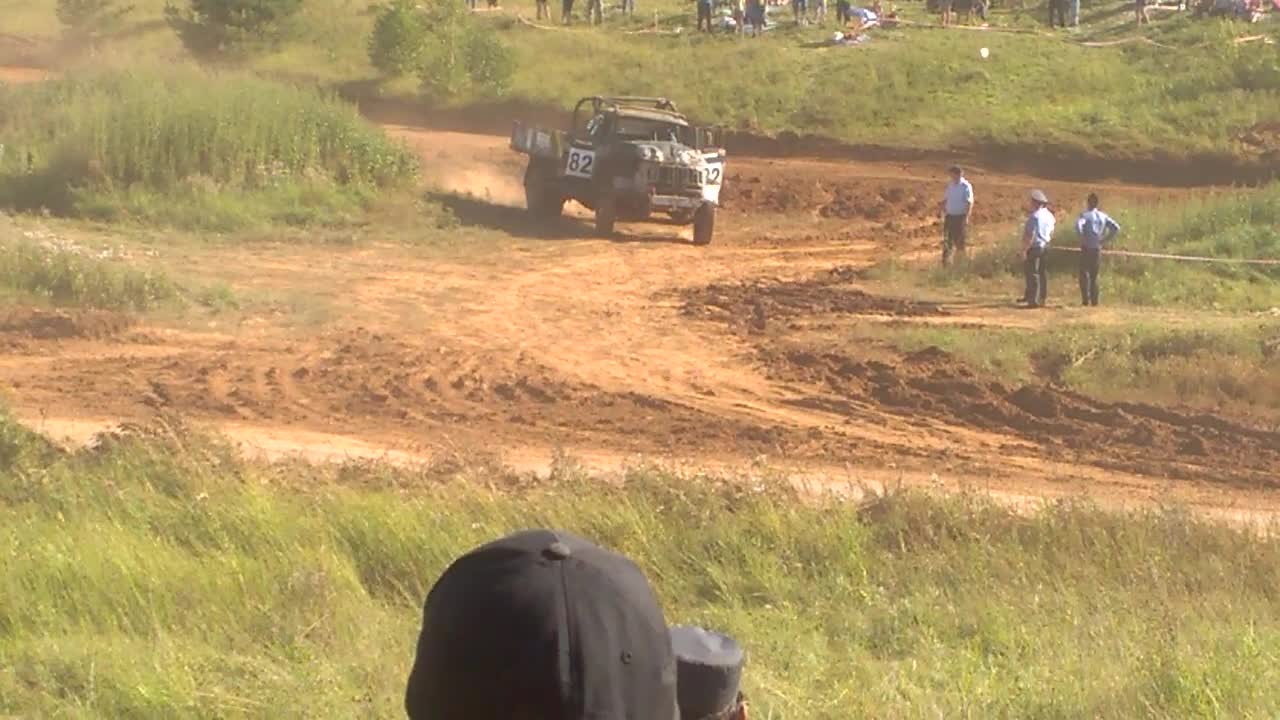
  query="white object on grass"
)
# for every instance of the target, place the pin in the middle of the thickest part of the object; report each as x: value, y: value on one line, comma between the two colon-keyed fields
x: 985, y: 53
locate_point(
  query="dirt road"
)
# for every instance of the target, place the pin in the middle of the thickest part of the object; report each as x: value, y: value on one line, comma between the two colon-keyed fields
x: 640, y: 345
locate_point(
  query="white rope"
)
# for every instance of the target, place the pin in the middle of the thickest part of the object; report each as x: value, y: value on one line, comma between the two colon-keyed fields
x: 1187, y: 258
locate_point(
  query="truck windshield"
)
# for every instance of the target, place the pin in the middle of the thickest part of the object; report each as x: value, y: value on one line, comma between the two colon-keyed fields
x: 633, y: 128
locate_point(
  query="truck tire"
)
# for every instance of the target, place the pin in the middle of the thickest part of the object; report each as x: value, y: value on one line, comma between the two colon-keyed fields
x: 704, y: 224
x: 541, y: 196
x: 606, y: 214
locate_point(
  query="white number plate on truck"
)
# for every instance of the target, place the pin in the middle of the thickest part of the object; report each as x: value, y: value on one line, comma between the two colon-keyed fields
x: 581, y: 163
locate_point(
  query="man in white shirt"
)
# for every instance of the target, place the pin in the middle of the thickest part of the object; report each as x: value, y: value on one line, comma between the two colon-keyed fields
x: 1037, y: 233
x: 957, y: 206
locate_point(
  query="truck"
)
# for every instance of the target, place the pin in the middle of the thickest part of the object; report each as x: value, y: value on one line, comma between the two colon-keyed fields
x: 626, y: 159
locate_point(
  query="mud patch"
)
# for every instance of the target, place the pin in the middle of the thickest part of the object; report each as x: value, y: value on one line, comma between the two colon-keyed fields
x: 360, y: 378
x: 1137, y: 438
x: 753, y: 305
x: 40, y: 324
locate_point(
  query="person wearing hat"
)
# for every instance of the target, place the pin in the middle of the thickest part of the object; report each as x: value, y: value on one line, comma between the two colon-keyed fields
x: 1037, y: 233
x: 957, y: 206
x: 708, y: 671
x: 542, y: 624
x: 1095, y: 229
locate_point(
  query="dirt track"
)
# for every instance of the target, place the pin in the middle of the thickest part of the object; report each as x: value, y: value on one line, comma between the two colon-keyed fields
x: 640, y: 345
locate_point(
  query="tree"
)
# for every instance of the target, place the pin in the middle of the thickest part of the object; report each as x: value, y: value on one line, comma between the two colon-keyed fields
x: 215, y: 26
x: 399, y: 40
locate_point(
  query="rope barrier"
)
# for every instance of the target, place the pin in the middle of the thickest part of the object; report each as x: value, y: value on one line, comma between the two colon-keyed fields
x: 1186, y: 258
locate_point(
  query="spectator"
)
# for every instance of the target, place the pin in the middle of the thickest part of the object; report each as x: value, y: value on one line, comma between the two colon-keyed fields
x: 704, y: 14
x: 957, y: 208
x: 595, y: 11
x: 629, y: 7
x: 1073, y: 12
x: 566, y: 11
x: 739, y: 15
x: 542, y: 624
x: 820, y: 11
x: 1095, y: 229
x: 1036, y: 236
x: 708, y: 672
x: 543, y: 9
x: 799, y: 7
x: 1140, y: 9
x: 1057, y: 13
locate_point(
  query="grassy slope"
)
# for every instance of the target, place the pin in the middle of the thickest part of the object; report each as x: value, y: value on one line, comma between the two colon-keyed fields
x: 149, y: 582
x: 909, y: 88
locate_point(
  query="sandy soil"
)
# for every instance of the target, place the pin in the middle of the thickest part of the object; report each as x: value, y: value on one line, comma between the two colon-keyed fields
x: 644, y: 345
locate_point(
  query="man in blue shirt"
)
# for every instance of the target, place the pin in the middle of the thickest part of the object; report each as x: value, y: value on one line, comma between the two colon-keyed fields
x: 1037, y: 233
x: 957, y: 206
x: 1095, y: 229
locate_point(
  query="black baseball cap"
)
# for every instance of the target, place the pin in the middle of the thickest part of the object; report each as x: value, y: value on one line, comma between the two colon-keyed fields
x: 709, y: 670
x: 542, y: 625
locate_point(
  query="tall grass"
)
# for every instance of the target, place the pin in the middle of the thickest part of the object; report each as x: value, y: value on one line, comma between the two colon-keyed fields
x: 169, y: 579
x: 65, y: 277
x: 90, y: 143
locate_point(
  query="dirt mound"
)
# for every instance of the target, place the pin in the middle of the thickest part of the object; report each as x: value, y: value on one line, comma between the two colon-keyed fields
x: 39, y: 324
x: 1122, y: 436
x: 753, y: 305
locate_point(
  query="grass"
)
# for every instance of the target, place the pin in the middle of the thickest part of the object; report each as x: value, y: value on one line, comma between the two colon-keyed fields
x: 191, y: 149
x: 1239, y: 224
x: 63, y: 276
x: 1230, y: 367
x: 917, y: 88
x: 167, y: 578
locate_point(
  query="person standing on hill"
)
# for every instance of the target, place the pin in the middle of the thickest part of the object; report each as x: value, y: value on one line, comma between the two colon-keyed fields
x: 566, y: 12
x: 595, y: 11
x: 1057, y: 13
x: 957, y: 207
x: 544, y: 9
x: 1095, y: 229
x: 704, y: 14
x: 1037, y: 233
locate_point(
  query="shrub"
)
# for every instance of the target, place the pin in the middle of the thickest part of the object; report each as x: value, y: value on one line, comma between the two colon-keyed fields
x: 215, y: 26
x: 399, y: 40
x: 90, y: 16
x: 67, y: 277
x: 462, y: 55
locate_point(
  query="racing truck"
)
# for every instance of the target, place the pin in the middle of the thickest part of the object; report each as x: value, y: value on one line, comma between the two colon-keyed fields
x: 628, y: 159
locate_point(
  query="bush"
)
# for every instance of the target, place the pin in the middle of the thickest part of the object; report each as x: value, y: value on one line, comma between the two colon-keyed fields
x: 216, y: 26
x: 152, y: 141
x: 90, y: 16
x: 399, y: 41
x: 461, y: 55
x: 67, y: 277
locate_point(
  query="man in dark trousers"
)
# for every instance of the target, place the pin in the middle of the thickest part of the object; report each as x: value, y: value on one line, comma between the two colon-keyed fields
x: 957, y: 208
x: 1095, y: 229
x: 1037, y: 233
x: 566, y: 8
x: 542, y: 624
x: 1057, y: 13
x: 709, y: 672
x: 704, y: 14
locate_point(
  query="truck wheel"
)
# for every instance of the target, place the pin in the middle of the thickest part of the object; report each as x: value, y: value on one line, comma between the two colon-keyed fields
x: 541, y: 196
x: 704, y: 224
x: 606, y: 214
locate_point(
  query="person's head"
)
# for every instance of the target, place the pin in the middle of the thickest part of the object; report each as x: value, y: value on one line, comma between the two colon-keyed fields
x: 1093, y: 201
x: 956, y: 172
x: 709, y: 668
x: 1038, y: 200
x: 542, y: 624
